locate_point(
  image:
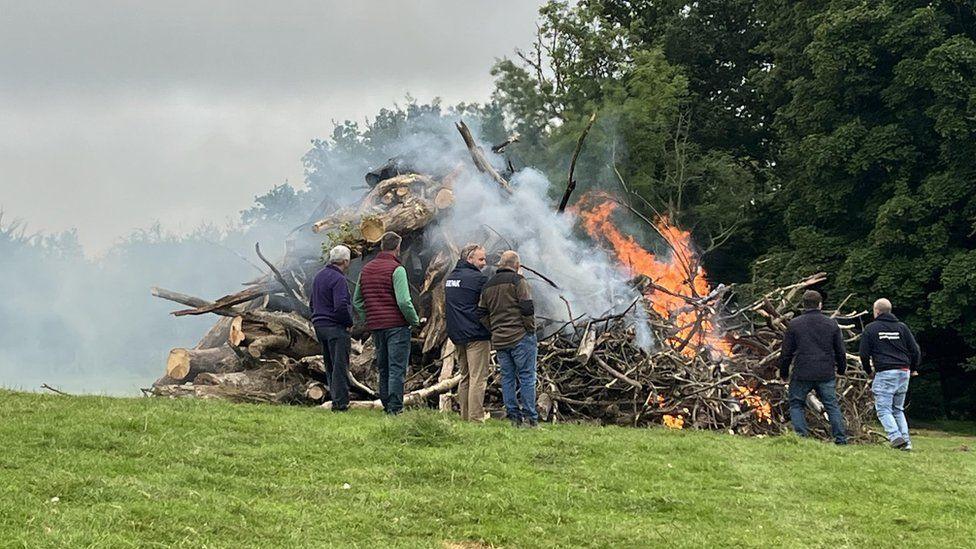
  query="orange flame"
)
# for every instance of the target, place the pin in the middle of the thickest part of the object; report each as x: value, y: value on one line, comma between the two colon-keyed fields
x: 677, y: 280
x: 764, y: 411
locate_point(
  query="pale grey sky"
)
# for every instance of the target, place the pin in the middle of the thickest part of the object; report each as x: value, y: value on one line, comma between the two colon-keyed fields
x: 114, y: 114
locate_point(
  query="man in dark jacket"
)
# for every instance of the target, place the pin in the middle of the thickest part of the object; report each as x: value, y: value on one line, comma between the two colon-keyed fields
x: 891, y: 346
x: 507, y: 311
x: 383, y: 297
x: 462, y: 290
x: 815, y: 345
x: 332, y: 317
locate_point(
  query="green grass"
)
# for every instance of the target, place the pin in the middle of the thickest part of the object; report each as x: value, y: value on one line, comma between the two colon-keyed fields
x: 164, y: 473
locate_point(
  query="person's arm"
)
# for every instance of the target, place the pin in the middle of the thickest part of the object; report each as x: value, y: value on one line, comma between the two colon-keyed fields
x: 786, y: 354
x: 914, y: 351
x: 358, y: 301
x: 402, y: 290
x: 864, y: 351
x: 483, y: 312
x: 526, y: 306
x: 840, y: 352
x: 341, y: 303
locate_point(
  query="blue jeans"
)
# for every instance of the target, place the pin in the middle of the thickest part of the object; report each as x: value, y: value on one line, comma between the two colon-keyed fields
x: 518, y: 364
x: 890, y: 388
x: 827, y: 393
x: 392, y: 357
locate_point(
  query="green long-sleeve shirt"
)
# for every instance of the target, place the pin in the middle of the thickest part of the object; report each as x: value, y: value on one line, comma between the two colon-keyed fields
x: 401, y: 290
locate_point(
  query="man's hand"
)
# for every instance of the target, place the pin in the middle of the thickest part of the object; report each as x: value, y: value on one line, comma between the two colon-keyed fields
x: 914, y: 373
x: 359, y: 332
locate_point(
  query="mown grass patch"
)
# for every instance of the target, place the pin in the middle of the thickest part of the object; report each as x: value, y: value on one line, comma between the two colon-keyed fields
x: 94, y: 471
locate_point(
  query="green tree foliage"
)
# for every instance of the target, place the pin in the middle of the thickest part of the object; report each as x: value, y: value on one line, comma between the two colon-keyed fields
x: 877, y: 129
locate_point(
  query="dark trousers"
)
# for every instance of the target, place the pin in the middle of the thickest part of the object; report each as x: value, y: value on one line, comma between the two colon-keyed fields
x: 827, y: 393
x: 336, y: 342
x: 392, y: 357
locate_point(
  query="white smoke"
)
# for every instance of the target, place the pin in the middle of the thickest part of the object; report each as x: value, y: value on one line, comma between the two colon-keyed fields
x: 592, y: 283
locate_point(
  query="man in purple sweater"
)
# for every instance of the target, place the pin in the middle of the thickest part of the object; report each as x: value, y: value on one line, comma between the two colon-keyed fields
x: 332, y: 318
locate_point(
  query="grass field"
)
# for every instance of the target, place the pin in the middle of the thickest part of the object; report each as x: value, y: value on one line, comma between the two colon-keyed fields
x: 106, y: 472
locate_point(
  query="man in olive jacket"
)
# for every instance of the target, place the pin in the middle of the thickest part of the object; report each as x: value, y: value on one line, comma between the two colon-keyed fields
x: 508, y: 312
x: 815, y: 346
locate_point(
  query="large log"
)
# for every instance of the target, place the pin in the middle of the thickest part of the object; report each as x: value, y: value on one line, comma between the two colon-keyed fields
x: 189, y: 300
x: 405, y: 218
x: 243, y: 296
x: 434, y: 331
x: 448, y: 361
x: 264, y: 332
x: 186, y: 364
x: 404, y: 204
x: 479, y: 159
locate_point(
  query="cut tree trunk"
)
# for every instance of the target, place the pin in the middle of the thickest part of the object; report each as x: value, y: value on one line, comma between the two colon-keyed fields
x: 265, y: 332
x: 315, y: 391
x: 185, y: 364
x: 433, y: 296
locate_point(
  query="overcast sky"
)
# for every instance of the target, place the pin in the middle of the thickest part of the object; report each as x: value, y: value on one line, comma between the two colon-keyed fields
x: 117, y: 114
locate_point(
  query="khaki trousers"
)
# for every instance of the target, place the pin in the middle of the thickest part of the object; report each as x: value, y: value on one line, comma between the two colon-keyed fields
x: 473, y: 361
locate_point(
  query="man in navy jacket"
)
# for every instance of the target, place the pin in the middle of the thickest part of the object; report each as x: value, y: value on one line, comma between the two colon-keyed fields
x: 332, y: 318
x: 890, y: 345
x: 814, y: 345
x: 463, y: 290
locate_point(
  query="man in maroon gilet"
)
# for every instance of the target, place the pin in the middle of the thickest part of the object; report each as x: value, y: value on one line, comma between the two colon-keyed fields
x: 383, y: 297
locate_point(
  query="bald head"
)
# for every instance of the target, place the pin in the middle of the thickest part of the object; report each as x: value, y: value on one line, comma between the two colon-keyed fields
x: 881, y: 307
x: 510, y: 260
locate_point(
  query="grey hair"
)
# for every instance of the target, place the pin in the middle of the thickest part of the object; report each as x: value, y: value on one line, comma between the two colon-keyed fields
x: 339, y: 254
x: 469, y: 249
x: 882, y: 306
x: 509, y: 259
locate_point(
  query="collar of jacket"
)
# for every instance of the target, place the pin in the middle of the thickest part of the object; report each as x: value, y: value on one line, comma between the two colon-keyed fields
x: 336, y: 269
x: 808, y: 311
x: 505, y: 269
x: 464, y: 264
x: 887, y: 317
x: 388, y: 255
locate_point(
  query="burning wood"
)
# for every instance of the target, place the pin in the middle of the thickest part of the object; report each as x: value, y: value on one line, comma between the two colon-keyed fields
x: 710, y: 366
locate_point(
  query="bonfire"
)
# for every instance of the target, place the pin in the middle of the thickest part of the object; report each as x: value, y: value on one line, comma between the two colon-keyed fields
x: 676, y: 352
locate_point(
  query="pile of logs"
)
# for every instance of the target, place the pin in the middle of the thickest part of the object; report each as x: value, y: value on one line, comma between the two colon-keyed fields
x: 263, y: 347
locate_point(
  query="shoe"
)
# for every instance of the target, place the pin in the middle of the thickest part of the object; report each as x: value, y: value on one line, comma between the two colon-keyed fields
x: 899, y: 443
x: 532, y: 424
x: 517, y: 423
x: 906, y: 448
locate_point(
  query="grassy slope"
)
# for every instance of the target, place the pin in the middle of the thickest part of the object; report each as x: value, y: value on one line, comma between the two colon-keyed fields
x: 141, y: 472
